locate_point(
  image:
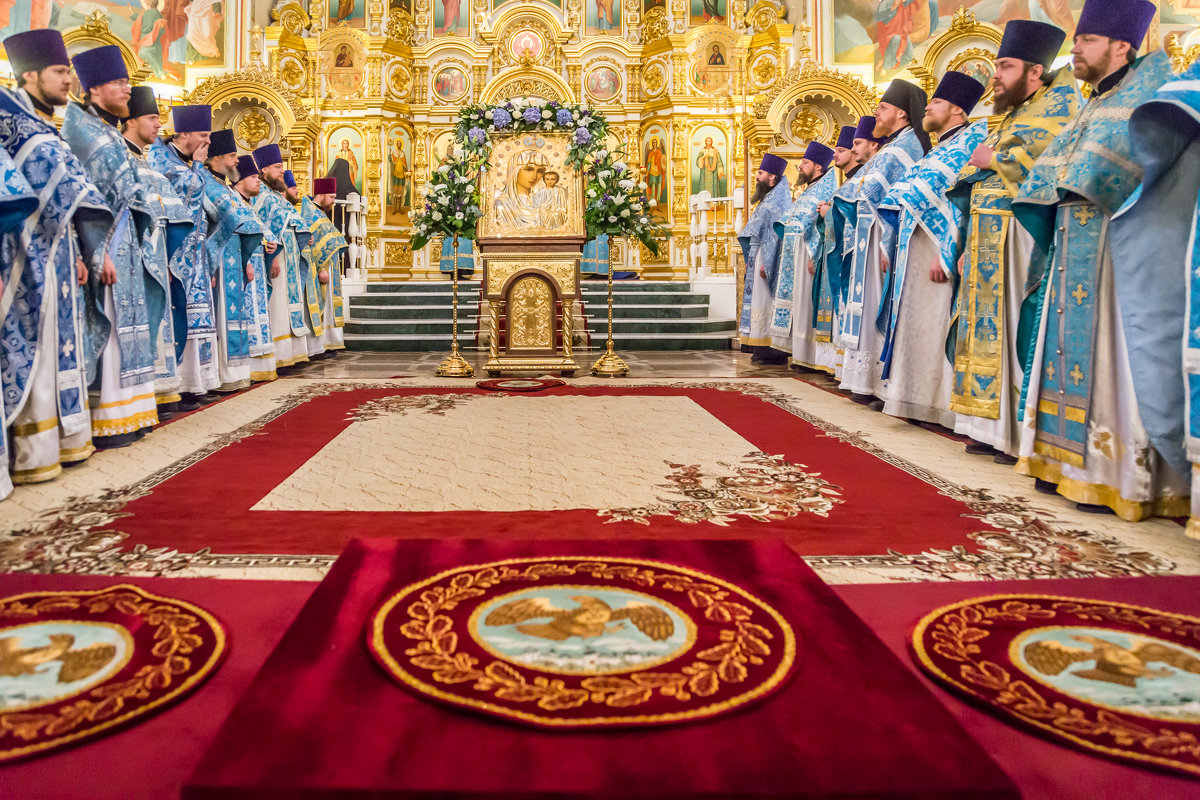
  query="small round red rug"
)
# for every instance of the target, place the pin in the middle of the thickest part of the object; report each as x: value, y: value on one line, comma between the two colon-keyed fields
x: 1115, y: 679
x: 519, y: 384
x: 574, y: 642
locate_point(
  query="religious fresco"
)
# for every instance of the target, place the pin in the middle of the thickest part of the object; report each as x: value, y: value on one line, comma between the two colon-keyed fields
x: 603, y: 16
x: 497, y: 3
x: 529, y: 189
x: 706, y: 11
x: 450, y: 84
x: 603, y: 84
x: 526, y: 42
x: 451, y: 17
x: 343, y: 65
x: 709, y: 149
x: 713, y: 65
x: 656, y: 167
x: 351, y: 12
x: 346, y: 143
x: 399, y: 176
x: 443, y: 144
x: 888, y: 34
x: 167, y: 35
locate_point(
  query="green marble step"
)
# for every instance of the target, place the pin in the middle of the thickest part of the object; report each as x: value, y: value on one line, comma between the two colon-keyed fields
x: 467, y: 311
x: 592, y: 296
x: 660, y: 328
x: 386, y: 287
x: 425, y: 344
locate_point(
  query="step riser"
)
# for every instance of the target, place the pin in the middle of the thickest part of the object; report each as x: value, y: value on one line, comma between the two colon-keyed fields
x: 436, y: 313
x: 583, y: 357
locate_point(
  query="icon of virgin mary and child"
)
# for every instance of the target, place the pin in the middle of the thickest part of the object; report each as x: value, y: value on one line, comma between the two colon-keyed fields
x: 532, y: 198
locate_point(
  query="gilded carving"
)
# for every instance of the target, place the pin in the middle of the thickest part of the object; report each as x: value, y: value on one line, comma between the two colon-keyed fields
x: 1181, y: 57
x: 401, y: 27
x: 654, y: 25
x: 531, y: 314
x: 499, y: 271
x: 252, y: 128
x: 654, y: 78
x: 400, y: 81
x: 397, y: 253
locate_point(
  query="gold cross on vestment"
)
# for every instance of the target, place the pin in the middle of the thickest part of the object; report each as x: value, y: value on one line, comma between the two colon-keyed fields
x: 1084, y: 214
x: 1080, y: 294
x: 1050, y: 373
x: 1076, y: 374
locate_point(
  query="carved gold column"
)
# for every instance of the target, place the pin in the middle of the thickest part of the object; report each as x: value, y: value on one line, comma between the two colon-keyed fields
x: 480, y: 72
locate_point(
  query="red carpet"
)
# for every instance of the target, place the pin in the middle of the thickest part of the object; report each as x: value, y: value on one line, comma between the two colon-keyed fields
x: 207, y: 505
x: 321, y: 719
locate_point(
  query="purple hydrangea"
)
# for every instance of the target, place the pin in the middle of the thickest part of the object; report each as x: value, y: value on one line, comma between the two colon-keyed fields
x: 532, y: 115
x: 501, y: 118
x: 476, y: 135
x: 563, y: 117
x: 582, y: 136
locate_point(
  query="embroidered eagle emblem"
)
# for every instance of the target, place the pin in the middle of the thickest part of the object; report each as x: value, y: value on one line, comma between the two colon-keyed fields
x: 16, y: 662
x: 589, y: 620
x: 1114, y: 663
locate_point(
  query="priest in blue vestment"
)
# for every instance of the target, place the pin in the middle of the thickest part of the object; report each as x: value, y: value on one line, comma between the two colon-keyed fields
x: 291, y: 315
x: 1083, y: 430
x: 234, y: 238
x: 171, y: 224
x: 792, y: 316
x: 44, y: 355
x: 1155, y: 240
x: 898, y: 119
x: 124, y: 407
x: 244, y: 178
x: 181, y: 158
x: 760, y: 243
x: 915, y: 312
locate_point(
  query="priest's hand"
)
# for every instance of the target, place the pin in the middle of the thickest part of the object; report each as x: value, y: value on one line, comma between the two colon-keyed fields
x: 936, y: 274
x: 960, y: 264
x: 80, y: 271
x: 270, y: 246
x: 249, y: 272
x: 823, y: 208
x: 982, y: 157
x: 884, y: 264
x: 108, y: 273
x: 323, y: 276
x: 762, y: 271
x: 275, y: 267
x: 812, y: 268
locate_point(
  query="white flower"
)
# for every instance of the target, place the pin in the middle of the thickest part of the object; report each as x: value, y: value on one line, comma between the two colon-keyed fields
x: 488, y: 113
x: 612, y: 219
x: 637, y: 206
x: 585, y: 121
x: 546, y: 113
x: 459, y: 215
x: 653, y: 203
x: 642, y: 186
x: 625, y: 212
x: 620, y: 166
x: 591, y: 192
x: 618, y: 199
x: 423, y: 191
x: 575, y: 114
x: 437, y: 215
x: 627, y: 185
x: 600, y: 154
x: 458, y: 152
x: 604, y: 174
x: 444, y: 168
x: 644, y: 220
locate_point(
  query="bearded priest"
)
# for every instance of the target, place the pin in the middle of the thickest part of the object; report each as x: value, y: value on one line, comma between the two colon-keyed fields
x: 902, y: 105
x: 325, y: 249
x: 1084, y: 431
x: 760, y: 251
x: 792, y: 319
x: 916, y: 311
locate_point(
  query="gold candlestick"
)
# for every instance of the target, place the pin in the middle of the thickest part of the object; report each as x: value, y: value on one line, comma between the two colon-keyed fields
x: 610, y: 364
x: 454, y: 365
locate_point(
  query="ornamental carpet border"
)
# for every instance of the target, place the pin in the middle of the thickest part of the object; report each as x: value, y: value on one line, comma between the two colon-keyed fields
x: 583, y: 642
x: 1119, y: 680
x: 853, y: 507
x: 79, y: 664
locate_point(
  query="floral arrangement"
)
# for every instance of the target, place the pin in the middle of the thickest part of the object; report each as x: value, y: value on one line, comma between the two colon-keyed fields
x: 616, y: 202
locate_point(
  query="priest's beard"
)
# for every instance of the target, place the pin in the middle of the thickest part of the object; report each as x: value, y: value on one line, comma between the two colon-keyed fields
x: 761, y: 190
x: 275, y: 183
x: 228, y: 173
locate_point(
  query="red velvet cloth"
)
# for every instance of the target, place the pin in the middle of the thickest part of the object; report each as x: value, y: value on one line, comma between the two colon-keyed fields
x: 322, y: 720
x: 149, y: 759
x: 1043, y: 768
x: 884, y: 507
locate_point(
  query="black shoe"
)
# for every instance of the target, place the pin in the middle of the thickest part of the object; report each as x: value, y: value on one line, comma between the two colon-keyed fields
x: 975, y: 448
x: 1045, y: 487
x: 189, y: 402
x: 113, y: 442
x: 1005, y: 459
x: 755, y: 359
x: 862, y: 399
x: 1092, y: 508
x: 875, y: 405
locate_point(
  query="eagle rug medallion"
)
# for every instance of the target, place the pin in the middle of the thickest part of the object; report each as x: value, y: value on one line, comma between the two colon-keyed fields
x: 1115, y: 679
x: 80, y: 663
x: 571, y: 642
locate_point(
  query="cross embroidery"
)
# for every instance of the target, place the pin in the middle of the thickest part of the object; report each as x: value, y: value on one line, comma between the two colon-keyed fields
x: 1080, y: 294
x: 1076, y: 374
x: 1084, y: 214
x: 1050, y: 373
